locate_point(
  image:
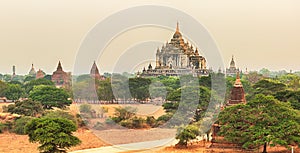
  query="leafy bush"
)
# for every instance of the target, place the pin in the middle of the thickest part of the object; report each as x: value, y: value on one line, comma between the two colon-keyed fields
x: 19, y: 127
x: 26, y: 107
x: 151, y: 121
x: 138, y: 122
x: 54, y: 134
x: 126, y: 123
x: 165, y: 118
x: 185, y: 134
x: 125, y: 113
x: 134, y: 123
x: 61, y: 114
x: 7, y: 126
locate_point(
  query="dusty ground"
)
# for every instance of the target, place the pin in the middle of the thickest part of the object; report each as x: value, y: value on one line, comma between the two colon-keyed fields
x: 123, y: 136
x: 12, y: 143
x: 203, y: 148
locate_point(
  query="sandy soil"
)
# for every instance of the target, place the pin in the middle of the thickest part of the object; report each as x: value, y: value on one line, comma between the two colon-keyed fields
x: 204, y: 148
x: 123, y: 136
x: 12, y: 143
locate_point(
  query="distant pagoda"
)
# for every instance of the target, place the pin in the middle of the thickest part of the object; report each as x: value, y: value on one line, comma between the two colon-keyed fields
x: 94, y: 72
x: 60, y: 77
x: 40, y: 74
x: 232, y: 70
x: 32, y: 71
x: 177, y: 57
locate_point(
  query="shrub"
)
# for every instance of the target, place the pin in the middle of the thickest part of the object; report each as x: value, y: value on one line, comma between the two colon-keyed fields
x: 138, y: 122
x: 7, y: 126
x: 185, y: 134
x: 26, y: 107
x: 54, y: 134
x: 85, y: 108
x: 151, y: 121
x: 61, y: 114
x: 19, y: 127
x: 126, y: 123
x: 165, y: 118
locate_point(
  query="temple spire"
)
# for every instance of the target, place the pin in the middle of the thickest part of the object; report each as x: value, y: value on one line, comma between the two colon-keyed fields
x: 177, y: 27
x: 59, y: 68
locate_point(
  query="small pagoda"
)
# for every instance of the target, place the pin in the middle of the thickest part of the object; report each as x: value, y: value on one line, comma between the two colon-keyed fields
x: 237, y: 94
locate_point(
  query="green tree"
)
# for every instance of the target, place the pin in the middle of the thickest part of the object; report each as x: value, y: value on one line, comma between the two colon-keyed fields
x: 187, y: 133
x: 105, y: 91
x: 50, y: 96
x: 61, y: 114
x: 268, y: 87
x: 19, y: 125
x: 26, y: 107
x: 54, y: 134
x: 3, y: 86
x: 139, y: 88
x: 31, y: 84
x: 262, y: 121
x: 13, y: 92
x: 84, y: 90
x: 291, y: 80
x: 119, y: 84
x: 265, y: 72
x: 84, y: 77
x: 293, y: 97
x: 29, y: 78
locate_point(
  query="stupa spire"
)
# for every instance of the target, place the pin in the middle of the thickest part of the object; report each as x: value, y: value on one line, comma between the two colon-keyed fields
x: 59, y: 67
x: 177, y: 27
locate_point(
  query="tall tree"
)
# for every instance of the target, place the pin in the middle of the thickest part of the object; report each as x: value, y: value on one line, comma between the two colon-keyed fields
x: 268, y: 87
x: 26, y: 107
x: 105, y: 91
x: 50, y: 96
x: 139, y: 88
x: 29, y: 85
x: 13, y: 92
x: 262, y: 121
x: 54, y: 134
x: 3, y: 86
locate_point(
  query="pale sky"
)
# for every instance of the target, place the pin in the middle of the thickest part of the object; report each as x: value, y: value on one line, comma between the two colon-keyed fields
x: 259, y: 33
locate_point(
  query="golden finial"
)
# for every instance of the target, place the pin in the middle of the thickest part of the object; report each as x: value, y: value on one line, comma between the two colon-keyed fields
x: 177, y: 27
x: 238, y: 75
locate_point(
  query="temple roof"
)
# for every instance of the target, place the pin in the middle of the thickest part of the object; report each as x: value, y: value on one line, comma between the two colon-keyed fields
x: 32, y: 70
x: 94, y: 69
x: 59, y: 67
x: 177, y: 33
x: 232, y: 63
x: 238, y: 82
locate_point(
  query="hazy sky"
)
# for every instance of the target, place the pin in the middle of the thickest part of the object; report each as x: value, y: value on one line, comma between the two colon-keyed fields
x: 259, y: 33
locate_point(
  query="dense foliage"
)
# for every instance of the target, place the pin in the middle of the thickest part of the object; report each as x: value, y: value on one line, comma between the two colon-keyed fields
x: 26, y: 107
x: 50, y: 96
x: 262, y: 121
x: 54, y: 134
